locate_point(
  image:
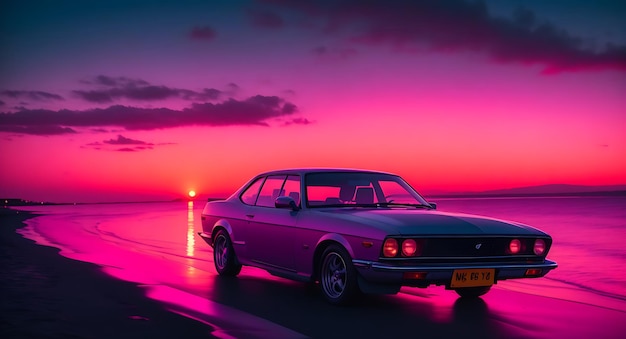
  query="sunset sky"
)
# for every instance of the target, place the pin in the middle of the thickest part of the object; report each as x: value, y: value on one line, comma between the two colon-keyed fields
x: 145, y: 100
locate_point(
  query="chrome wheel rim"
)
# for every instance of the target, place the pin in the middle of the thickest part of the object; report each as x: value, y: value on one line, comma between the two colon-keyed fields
x: 220, y: 252
x: 333, y: 275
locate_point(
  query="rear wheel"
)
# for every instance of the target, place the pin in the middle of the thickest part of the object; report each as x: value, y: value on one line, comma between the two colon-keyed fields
x: 224, y: 255
x: 472, y: 292
x: 338, y: 280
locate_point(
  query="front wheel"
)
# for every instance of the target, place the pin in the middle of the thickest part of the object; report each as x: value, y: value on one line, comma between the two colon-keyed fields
x: 337, y: 276
x: 224, y: 255
x: 472, y: 292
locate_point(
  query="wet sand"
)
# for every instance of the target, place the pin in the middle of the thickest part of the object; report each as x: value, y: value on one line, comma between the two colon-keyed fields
x: 160, y: 266
x: 46, y: 295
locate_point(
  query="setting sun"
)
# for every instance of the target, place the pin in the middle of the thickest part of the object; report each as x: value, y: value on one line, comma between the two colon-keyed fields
x: 192, y: 194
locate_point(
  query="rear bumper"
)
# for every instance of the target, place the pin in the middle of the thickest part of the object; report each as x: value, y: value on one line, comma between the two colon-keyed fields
x: 206, y: 237
x: 376, y: 272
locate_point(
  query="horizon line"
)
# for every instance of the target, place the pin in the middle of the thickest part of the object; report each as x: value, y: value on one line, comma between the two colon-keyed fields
x: 7, y: 202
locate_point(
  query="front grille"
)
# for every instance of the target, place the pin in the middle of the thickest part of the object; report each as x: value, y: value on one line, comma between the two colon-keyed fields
x: 456, y: 260
x: 472, y: 247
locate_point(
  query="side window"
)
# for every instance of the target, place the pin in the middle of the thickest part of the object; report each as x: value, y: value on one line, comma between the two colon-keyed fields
x: 250, y: 195
x: 292, y: 188
x: 270, y: 190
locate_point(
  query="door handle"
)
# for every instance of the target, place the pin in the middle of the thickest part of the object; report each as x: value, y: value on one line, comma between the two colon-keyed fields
x: 250, y: 216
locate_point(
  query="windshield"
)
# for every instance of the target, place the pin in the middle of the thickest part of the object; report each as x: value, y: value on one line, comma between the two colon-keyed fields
x: 354, y: 189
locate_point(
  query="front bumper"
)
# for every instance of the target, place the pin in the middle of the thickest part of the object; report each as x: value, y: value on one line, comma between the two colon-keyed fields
x: 383, y: 273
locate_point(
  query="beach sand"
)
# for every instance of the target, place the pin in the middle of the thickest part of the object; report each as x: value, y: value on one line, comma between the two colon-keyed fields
x: 45, y: 295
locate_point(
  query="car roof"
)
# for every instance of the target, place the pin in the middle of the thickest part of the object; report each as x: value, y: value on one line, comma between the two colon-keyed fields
x: 306, y: 170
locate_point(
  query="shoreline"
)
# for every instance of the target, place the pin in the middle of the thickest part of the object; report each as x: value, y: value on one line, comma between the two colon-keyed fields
x: 47, y: 295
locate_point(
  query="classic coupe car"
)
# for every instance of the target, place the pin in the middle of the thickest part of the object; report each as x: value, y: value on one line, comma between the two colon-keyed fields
x: 356, y: 231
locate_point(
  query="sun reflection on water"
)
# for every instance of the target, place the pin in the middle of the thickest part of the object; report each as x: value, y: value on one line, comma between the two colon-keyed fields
x: 191, y: 240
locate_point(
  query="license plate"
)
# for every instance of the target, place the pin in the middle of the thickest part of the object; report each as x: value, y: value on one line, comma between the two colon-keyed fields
x: 472, y: 277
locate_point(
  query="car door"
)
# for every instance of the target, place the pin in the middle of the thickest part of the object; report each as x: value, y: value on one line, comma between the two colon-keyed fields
x: 240, y: 221
x: 271, y: 230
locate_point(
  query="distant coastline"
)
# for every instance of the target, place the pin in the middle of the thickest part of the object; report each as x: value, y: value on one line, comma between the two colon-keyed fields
x: 555, y: 190
x: 531, y: 195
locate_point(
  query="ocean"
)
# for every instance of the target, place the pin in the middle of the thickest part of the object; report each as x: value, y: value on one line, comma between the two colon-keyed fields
x: 589, y: 240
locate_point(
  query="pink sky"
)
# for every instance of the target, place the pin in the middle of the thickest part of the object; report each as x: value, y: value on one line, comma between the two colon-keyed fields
x: 118, y: 102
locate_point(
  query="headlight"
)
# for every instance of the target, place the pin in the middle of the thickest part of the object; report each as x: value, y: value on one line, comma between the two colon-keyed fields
x: 409, y: 247
x: 515, y: 246
x: 540, y: 246
x: 390, y: 248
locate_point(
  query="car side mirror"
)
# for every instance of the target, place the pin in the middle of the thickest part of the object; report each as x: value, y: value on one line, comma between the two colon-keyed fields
x: 286, y: 202
x: 433, y: 205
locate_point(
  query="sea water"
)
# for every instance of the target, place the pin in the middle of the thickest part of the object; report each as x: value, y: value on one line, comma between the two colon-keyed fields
x: 589, y: 237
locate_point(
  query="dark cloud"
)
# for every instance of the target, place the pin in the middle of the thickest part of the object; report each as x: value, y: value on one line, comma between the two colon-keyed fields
x: 2, y: 103
x: 265, y: 19
x: 126, y: 149
x: 109, y: 81
x: 257, y: 110
x: 139, y: 90
x: 202, y: 33
x: 298, y: 121
x: 232, y: 89
x: 36, y: 129
x: 122, y: 140
x: 32, y: 95
x: 457, y: 26
x: 133, y: 145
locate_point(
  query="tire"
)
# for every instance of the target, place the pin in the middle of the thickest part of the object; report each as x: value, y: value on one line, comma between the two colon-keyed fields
x: 337, y: 276
x: 224, y: 257
x: 472, y: 292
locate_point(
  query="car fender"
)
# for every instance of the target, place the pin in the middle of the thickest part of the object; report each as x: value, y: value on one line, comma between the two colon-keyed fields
x: 338, y: 238
x: 222, y: 223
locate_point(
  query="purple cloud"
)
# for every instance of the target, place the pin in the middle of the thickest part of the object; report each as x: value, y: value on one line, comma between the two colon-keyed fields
x: 458, y: 26
x: 232, y: 89
x: 105, y: 80
x: 126, y: 149
x: 298, y: 121
x: 202, y: 33
x: 122, y: 140
x: 133, y: 145
x: 139, y: 90
x: 36, y: 129
x: 257, y: 110
x: 32, y: 95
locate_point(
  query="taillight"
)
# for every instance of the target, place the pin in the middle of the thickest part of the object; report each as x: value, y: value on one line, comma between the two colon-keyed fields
x: 409, y: 247
x: 390, y: 248
x: 540, y: 246
x: 515, y: 246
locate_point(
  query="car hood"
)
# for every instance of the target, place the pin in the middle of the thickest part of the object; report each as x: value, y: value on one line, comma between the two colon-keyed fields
x: 429, y: 222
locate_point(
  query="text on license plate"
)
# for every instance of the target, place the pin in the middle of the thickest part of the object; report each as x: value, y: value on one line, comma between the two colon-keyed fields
x: 472, y: 277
